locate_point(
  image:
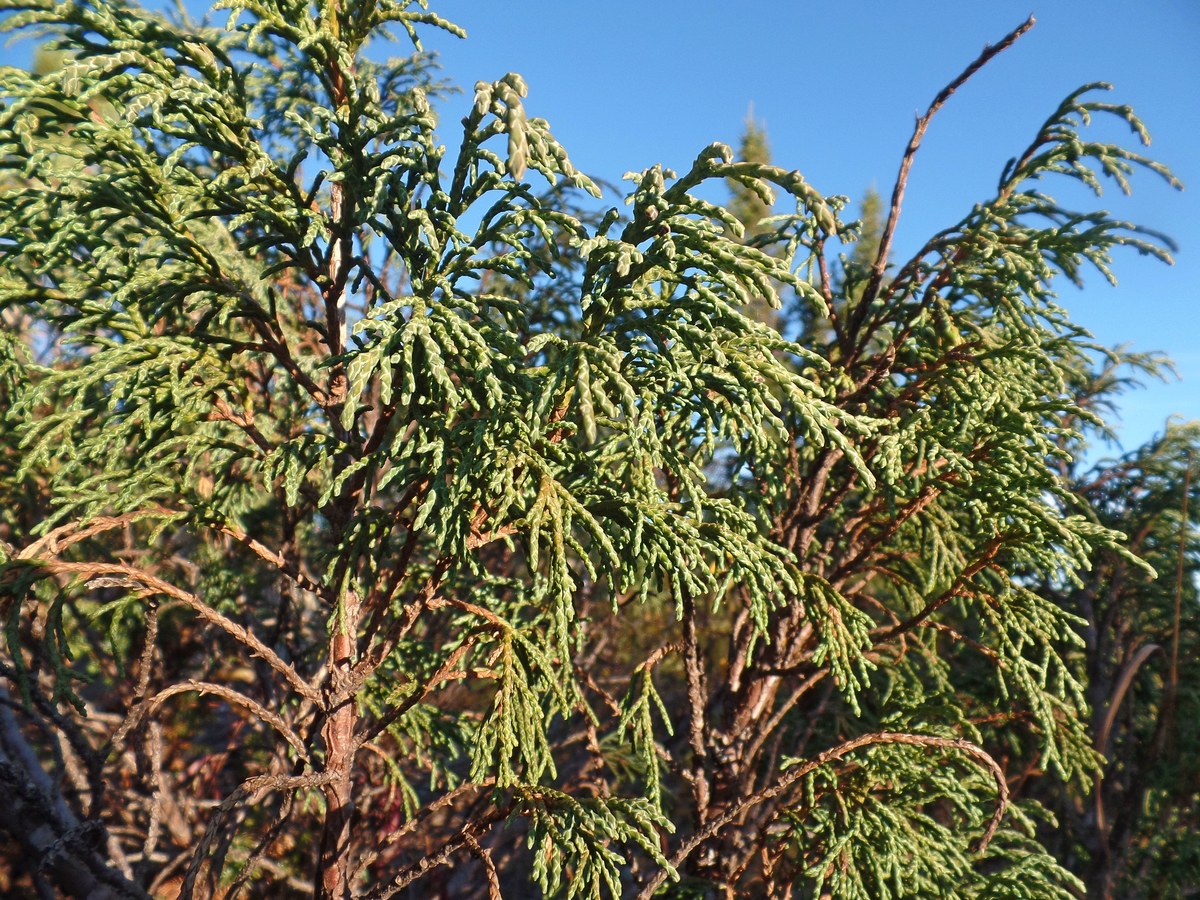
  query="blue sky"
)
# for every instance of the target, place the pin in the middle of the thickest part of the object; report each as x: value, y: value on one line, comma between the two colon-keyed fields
x: 627, y: 84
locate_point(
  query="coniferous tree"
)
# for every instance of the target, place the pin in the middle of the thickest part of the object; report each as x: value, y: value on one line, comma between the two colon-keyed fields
x: 1132, y: 831
x: 751, y: 207
x: 360, y: 531
x: 857, y: 267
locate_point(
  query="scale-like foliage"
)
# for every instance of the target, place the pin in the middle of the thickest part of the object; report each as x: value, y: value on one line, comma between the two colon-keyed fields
x: 389, y: 505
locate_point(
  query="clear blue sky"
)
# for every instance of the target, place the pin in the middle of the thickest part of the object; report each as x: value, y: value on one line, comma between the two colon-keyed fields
x: 627, y: 84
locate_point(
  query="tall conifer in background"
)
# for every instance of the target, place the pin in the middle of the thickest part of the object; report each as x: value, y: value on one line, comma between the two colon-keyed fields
x: 360, y: 528
x: 751, y: 207
x: 862, y: 257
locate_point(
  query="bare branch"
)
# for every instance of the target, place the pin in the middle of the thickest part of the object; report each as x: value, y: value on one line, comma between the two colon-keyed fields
x: 470, y: 832
x: 256, y: 709
x: 249, y: 790
x: 279, y: 562
x: 129, y: 576
x: 889, y: 231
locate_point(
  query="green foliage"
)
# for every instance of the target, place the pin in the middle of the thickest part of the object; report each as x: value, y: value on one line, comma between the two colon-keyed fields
x: 1132, y: 830
x: 572, y: 841
x: 500, y: 524
x: 901, y: 827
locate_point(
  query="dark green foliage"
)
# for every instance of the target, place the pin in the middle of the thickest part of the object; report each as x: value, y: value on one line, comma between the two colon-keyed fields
x: 1132, y: 833
x: 373, y: 506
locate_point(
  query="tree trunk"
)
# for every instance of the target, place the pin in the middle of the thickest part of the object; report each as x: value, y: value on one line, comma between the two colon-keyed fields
x: 338, y: 733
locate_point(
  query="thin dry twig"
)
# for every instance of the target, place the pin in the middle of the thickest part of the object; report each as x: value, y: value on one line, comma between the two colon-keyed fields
x: 122, y: 575
x: 59, y: 539
x: 985, y: 560
x: 248, y: 790
x: 470, y: 832
x: 138, y: 708
x: 989, y: 53
x: 419, y: 818
x: 443, y: 673
x: 266, y: 554
x: 256, y: 858
x: 235, y: 698
x: 489, y: 867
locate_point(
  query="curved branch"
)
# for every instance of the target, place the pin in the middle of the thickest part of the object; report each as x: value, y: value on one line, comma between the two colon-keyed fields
x: 835, y: 753
x: 120, y: 575
x: 248, y: 789
x: 229, y: 695
x: 1124, y: 680
x: 62, y: 537
x: 489, y: 867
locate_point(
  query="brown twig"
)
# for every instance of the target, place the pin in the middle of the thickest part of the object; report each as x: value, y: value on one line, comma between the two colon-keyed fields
x: 889, y: 231
x: 778, y: 716
x: 989, y: 553
x: 489, y: 867
x: 374, y: 657
x: 247, y: 790
x: 470, y: 832
x: 102, y: 574
x: 793, y: 775
x: 140, y: 703
x: 256, y: 858
x: 266, y: 554
x: 235, y: 698
x: 443, y: 673
x: 54, y: 542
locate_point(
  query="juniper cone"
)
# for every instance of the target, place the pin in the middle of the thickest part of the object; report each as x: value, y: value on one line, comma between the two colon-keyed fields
x: 385, y: 515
